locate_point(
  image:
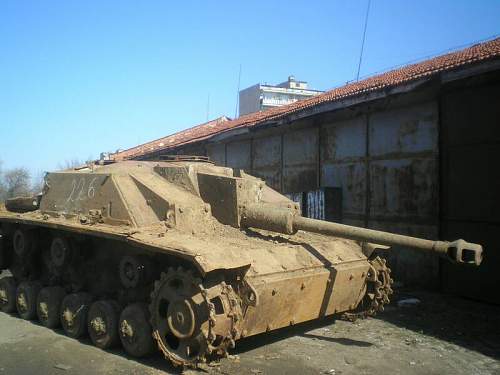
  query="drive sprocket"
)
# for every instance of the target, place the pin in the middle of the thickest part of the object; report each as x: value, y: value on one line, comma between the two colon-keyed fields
x: 192, y: 322
x: 378, y: 291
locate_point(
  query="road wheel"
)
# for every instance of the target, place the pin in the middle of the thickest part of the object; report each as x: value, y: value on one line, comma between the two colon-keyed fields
x: 8, y: 294
x: 103, y: 324
x: 26, y: 295
x: 61, y: 252
x: 74, y: 309
x: 24, y: 242
x: 135, y: 330
x: 135, y: 271
x: 48, y: 306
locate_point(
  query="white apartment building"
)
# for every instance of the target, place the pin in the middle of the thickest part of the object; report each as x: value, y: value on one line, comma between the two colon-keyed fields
x: 260, y: 97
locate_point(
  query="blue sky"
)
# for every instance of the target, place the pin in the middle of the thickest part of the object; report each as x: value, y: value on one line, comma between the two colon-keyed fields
x: 78, y: 78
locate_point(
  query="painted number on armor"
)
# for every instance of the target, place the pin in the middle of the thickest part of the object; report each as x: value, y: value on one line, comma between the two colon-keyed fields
x: 80, y: 190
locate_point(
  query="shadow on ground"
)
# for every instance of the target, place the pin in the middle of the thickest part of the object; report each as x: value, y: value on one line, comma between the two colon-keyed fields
x: 463, y: 322
x: 469, y: 324
x: 303, y: 330
x: 466, y: 323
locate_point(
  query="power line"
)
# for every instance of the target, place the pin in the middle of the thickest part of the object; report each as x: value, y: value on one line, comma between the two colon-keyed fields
x: 237, y: 95
x: 363, y: 41
x: 429, y: 55
x: 418, y: 59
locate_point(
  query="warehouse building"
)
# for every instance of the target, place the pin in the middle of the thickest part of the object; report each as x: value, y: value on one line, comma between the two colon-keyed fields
x: 414, y: 150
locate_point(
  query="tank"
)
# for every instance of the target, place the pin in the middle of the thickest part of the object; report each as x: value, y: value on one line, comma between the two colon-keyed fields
x: 187, y: 257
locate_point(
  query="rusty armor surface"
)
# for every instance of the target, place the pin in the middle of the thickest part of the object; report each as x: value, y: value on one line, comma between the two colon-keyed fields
x: 278, y: 267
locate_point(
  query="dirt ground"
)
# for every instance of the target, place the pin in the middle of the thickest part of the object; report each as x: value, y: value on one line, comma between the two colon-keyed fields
x: 439, y: 335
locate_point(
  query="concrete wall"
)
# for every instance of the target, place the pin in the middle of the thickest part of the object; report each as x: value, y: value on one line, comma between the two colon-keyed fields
x: 422, y: 163
x: 217, y: 153
x: 300, y: 160
x: 385, y: 162
x: 238, y: 155
x: 267, y: 158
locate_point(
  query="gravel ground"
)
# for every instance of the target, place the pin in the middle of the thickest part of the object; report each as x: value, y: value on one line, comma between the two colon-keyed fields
x: 438, y: 335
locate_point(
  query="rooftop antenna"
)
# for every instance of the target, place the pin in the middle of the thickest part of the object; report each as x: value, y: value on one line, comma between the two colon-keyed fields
x: 363, y: 41
x: 237, y: 95
x: 208, y: 106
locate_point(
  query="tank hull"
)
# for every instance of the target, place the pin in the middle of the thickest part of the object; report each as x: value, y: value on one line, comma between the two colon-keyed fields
x: 290, y: 298
x: 318, y: 282
x: 185, y: 256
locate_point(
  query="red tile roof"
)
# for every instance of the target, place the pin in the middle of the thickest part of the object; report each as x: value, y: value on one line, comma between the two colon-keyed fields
x: 479, y: 52
x: 192, y: 134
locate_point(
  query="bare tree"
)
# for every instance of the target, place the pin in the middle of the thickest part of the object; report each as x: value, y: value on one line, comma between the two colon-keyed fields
x: 3, y: 192
x: 90, y: 159
x: 16, y: 182
x: 70, y: 164
x: 37, y: 183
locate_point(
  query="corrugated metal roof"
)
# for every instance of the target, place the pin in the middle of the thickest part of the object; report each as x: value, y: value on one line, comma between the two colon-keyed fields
x: 480, y: 52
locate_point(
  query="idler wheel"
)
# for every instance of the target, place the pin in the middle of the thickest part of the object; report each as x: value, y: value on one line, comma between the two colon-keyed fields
x: 74, y: 309
x: 60, y: 252
x: 24, y: 242
x: 135, y: 330
x: 103, y: 324
x: 48, y: 306
x: 7, y: 294
x: 26, y: 296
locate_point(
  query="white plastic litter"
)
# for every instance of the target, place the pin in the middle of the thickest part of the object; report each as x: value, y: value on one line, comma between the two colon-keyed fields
x: 408, y: 302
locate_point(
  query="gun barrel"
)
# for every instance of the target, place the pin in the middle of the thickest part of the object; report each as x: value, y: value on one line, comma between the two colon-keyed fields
x: 367, y: 235
x: 288, y: 222
x: 459, y: 251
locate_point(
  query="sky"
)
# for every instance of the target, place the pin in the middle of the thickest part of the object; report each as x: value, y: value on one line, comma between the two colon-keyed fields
x: 81, y: 77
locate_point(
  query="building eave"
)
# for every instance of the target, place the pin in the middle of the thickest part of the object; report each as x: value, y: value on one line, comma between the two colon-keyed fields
x: 474, y: 60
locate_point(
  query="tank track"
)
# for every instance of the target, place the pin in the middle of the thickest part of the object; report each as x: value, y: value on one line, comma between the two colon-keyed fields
x: 208, y: 311
x: 61, y: 281
x: 379, y: 289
